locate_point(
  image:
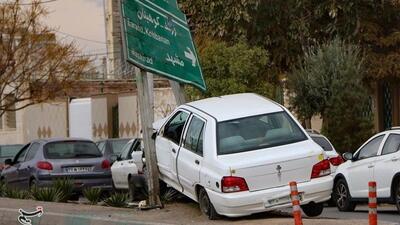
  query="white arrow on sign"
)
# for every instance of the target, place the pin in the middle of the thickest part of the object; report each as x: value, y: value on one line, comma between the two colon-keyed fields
x: 189, y: 54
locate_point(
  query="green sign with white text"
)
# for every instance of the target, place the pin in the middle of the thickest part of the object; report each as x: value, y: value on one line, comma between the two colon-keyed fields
x: 158, y: 39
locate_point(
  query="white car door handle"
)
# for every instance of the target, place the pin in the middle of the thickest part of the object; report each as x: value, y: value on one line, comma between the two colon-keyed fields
x: 395, y: 159
x: 371, y: 166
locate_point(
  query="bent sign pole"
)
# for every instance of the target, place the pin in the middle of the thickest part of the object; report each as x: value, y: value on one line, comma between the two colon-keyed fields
x: 145, y: 96
x: 157, y: 39
x: 147, y: 119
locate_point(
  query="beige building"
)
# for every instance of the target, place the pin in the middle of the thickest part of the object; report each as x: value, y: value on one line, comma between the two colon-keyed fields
x: 113, y: 115
x: 115, y: 65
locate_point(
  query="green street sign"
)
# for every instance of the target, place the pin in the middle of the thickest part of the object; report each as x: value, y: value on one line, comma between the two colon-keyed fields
x: 158, y: 39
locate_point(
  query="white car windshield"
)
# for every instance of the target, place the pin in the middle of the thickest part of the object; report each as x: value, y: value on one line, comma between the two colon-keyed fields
x: 257, y: 132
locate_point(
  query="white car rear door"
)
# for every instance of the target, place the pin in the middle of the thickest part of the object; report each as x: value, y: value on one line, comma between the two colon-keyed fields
x: 190, y: 156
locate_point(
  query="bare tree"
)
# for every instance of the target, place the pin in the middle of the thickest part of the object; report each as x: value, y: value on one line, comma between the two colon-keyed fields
x: 34, y: 66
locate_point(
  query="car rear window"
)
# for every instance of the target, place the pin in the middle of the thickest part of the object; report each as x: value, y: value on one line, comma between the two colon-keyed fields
x: 323, y: 142
x: 257, y: 132
x: 118, y: 145
x: 71, y: 149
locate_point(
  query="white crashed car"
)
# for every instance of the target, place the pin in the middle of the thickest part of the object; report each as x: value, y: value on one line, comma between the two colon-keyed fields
x: 129, y: 166
x: 235, y: 155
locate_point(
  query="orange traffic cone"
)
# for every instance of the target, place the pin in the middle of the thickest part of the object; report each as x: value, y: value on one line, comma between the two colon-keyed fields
x: 294, y: 194
x: 372, y: 204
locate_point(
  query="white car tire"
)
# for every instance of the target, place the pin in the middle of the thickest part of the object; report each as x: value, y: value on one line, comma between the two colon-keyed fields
x: 206, y: 206
x: 342, y: 197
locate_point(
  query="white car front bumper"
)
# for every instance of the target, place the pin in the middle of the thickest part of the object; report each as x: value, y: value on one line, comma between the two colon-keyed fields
x: 247, y: 203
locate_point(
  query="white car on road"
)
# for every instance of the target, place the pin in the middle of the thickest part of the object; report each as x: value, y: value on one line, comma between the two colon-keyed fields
x: 129, y: 165
x: 236, y: 155
x: 376, y: 160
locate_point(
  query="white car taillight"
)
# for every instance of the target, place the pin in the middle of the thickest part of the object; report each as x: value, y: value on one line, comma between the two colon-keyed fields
x: 321, y: 169
x: 233, y: 184
x: 336, y: 161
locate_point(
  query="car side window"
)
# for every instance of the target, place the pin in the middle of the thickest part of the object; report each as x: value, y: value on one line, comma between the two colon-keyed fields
x: 125, y: 154
x: 392, y: 144
x: 137, y: 147
x: 194, y: 136
x: 371, y: 149
x: 21, y: 155
x: 32, y: 151
x: 173, y: 129
x: 101, y: 145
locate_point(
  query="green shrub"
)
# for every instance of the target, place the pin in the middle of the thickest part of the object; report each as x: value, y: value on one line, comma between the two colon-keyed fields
x: 117, y: 200
x: 47, y: 194
x: 329, y: 83
x: 93, y: 195
x: 169, y: 195
x: 15, y: 193
x: 2, y: 188
x: 65, y: 188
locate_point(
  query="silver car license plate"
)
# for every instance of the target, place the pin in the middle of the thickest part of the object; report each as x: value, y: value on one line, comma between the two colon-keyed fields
x: 78, y: 169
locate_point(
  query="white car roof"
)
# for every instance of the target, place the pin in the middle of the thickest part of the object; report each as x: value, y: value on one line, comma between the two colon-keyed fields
x: 230, y: 107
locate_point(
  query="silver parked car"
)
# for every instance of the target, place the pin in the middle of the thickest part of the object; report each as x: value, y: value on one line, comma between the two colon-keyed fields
x: 112, y: 148
x: 40, y: 162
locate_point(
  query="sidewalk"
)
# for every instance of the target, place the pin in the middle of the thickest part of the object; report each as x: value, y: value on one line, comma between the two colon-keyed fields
x: 176, y: 213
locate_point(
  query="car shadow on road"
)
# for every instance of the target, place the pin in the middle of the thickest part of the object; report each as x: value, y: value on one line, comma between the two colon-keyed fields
x: 386, y: 212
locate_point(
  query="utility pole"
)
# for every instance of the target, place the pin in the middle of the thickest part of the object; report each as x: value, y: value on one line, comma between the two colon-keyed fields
x: 147, y: 118
x: 145, y: 96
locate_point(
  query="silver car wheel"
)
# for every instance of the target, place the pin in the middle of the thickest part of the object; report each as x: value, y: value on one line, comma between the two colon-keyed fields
x: 341, y: 192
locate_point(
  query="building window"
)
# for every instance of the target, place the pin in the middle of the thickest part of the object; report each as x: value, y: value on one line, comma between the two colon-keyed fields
x: 10, y: 114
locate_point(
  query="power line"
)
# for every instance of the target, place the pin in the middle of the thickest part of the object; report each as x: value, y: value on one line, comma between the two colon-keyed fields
x: 98, y: 54
x: 81, y: 38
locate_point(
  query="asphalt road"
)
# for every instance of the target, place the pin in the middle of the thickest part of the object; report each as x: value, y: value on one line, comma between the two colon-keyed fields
x: 386, y: 213
x: 183, y: 213
x: 175, y: 213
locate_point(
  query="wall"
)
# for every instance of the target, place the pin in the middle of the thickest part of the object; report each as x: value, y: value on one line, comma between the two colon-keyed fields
x: 129, y: 120
x: 100, y: 118
x: 37, y: 121
x: 46, y: 120
x: 13, y: 135
x: 128, y: 116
